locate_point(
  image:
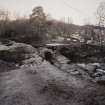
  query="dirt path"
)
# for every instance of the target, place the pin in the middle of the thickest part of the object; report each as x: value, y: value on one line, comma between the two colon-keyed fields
x: 49, y: 86
x: 21, y: 87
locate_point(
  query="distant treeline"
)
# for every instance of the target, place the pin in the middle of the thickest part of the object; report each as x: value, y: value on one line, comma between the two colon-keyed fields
x: 35, y: 29
x: 38, y: 28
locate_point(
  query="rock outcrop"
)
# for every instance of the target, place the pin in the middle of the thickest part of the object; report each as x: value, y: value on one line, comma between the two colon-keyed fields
x: 16, y: 52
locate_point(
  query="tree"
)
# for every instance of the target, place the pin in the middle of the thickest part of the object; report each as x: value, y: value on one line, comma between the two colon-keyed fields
x: 101, y: 14
x: 4, y: 21
x: 101, y: 20
x: 4, y: 15
x: 38, y: 14
x: 38, y: 23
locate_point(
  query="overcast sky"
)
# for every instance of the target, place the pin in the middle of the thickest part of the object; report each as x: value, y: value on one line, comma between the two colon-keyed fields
x: 80, y: 11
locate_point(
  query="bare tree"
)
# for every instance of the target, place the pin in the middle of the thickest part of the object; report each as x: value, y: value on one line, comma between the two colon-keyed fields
x: 100, y: 15
x: 4, y: 20
x: 4, y: 15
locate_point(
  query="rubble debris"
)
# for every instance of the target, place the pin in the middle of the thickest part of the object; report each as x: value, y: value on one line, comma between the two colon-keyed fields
x: 100, y: 80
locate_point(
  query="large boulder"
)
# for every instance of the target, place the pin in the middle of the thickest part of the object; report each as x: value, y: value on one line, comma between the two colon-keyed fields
x: 16, y: 52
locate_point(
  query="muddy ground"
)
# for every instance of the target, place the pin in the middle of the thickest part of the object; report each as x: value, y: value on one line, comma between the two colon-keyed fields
x: 66, y: 82
x: 41, y: 83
